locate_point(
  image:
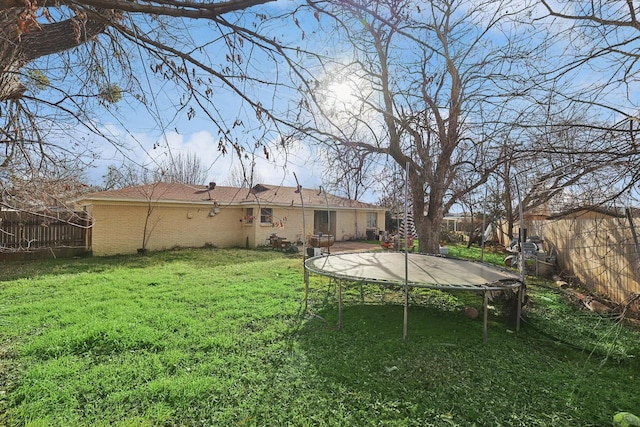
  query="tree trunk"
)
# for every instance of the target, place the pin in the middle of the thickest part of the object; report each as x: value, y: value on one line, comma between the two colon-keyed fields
x: 429, y: 236
x: 427, y: 226
x: 507, y: 203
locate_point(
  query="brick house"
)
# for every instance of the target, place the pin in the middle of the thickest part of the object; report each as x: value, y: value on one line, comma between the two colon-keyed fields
x: 165, y: 215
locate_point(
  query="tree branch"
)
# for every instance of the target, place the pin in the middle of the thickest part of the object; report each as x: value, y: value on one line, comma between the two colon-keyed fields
x: 61, y: 36
x: 633, y: 22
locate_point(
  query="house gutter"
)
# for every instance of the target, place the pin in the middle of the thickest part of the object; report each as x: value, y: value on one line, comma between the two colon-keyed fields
x: 87, y: 201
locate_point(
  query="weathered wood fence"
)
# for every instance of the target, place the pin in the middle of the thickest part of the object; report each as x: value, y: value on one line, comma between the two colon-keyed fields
x: 599, y: 252
x: 32, y: 235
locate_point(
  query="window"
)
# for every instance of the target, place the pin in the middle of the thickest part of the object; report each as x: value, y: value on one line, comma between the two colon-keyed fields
x: 248, y: 216
x: 372, y: 219
x: 324, y: 222
x: 266, y: 216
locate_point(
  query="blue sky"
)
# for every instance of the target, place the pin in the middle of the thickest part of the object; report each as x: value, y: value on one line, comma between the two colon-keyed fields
x: 140, y: 130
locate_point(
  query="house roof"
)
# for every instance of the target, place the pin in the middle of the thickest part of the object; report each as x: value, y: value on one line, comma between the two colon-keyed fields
x: 259, y: 194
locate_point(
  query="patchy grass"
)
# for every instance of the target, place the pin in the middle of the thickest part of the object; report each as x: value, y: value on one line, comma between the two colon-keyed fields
x: 220, y: 337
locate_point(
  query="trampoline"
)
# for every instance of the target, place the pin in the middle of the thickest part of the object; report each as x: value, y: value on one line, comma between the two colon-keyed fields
x: 416, y: 271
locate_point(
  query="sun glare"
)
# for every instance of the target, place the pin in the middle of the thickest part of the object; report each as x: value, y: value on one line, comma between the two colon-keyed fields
x: 343, y: 92
x: 342, y: 98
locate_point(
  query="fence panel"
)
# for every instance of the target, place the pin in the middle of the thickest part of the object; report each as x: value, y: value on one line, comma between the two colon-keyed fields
x: 21, y: 231
x: 599, y: 252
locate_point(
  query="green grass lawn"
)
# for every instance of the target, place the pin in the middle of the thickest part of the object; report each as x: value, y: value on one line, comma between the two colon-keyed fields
x: 220, y: 338
x: 491, y: 255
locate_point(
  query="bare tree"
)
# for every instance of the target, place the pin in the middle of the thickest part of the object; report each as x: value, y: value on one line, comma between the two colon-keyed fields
x: 63, y: 63
x: 434, y: 86
x: 599, y: 43
x: 349, y: 173
x: 573, y: 165
x: 242, y: 176
x: 127, y: 174
x: 49, y: 187
x: 185, y: 168
x: 600, y: 30
x: 152, y: 194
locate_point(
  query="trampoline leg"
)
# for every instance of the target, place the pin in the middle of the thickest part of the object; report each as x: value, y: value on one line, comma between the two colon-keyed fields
x: 486, y: 317
x: 339, y: 283
x: 519, y: 307
x: 306, y: 289
x: 405, y: 321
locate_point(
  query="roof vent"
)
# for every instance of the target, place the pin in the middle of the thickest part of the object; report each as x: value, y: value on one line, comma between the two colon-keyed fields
x: 212, y: 186
x: 258, y: 188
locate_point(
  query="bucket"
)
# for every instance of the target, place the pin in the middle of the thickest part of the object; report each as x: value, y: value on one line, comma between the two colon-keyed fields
x: 544, y: 269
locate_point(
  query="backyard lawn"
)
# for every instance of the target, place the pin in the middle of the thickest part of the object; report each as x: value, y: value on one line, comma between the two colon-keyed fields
x: 213, y: 337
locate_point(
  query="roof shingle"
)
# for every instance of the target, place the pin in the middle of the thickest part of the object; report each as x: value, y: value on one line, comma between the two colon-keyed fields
x: 261, y: 193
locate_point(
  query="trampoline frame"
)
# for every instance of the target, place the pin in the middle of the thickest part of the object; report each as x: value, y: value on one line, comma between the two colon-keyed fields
x: 499, y: 285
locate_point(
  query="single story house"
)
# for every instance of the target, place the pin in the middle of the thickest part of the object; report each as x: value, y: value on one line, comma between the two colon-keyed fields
x: 163, y: 215
x: 457, y: 222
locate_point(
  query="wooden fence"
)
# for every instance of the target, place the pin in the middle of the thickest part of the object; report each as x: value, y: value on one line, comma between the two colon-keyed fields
x: 28, y: 235
x: 597, y: 252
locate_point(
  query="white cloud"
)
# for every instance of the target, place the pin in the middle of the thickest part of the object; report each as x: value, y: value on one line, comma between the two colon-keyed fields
x: 147, y: 151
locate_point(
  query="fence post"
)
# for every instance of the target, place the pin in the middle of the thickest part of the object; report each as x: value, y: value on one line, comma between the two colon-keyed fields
x: 627, y: 212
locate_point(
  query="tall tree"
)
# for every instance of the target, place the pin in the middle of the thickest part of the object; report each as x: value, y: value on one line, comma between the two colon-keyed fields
x: 600, y: 31
x: 435, y: 84
x: 31, y: 31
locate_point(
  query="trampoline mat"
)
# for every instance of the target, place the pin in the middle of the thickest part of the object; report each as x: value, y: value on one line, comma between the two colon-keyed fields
x: 423, y: 270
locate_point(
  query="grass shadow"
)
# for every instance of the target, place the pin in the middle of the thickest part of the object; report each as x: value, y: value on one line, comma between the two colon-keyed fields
x: 445, y: 375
